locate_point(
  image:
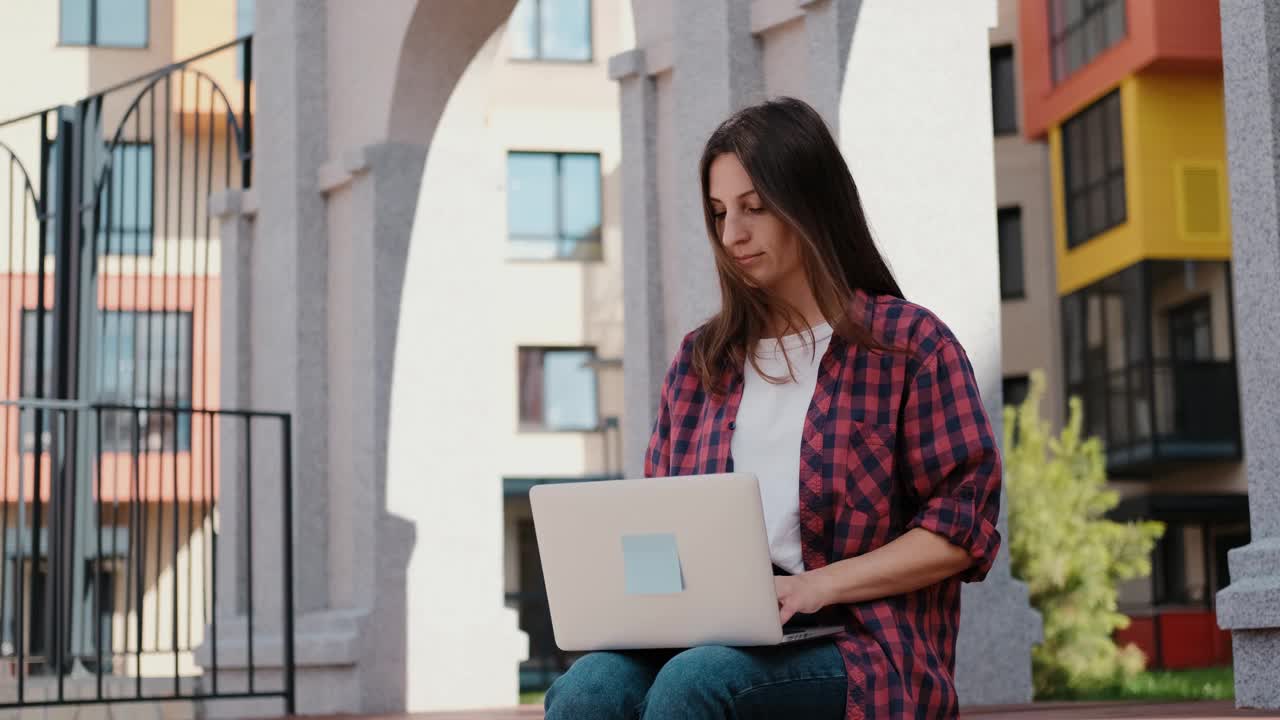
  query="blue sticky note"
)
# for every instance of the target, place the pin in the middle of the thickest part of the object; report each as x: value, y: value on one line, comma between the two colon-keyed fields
x: 651, y: 564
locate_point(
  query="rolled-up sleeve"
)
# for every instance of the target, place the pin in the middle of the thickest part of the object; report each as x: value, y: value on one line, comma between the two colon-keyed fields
x: 953, y: 462
x: 657, y: 457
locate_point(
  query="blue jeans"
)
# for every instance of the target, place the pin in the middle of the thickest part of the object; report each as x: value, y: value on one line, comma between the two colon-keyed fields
x: 804, y: 680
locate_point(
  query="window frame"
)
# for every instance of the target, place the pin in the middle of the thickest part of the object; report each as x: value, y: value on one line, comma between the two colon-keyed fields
x: 1071, y: 197
x: 537, y: 38
x: 185, y: 328
x: 1005, y: 293
x: 107, y: 232
x: 92, y: 41
x: 1183, y: 316
x: 541, y: 428
x: 559, y: 156
x: 1001, y: 53
x: 1059, y: 37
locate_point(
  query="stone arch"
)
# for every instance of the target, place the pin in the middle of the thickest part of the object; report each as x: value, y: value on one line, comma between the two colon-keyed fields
x: 442, y: 504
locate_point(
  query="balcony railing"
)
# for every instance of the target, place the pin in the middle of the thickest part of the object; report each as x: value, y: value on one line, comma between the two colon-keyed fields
x: 1162, y: 413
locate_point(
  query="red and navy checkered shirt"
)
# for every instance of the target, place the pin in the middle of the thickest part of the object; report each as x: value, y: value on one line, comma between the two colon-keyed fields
x: 892, y: 441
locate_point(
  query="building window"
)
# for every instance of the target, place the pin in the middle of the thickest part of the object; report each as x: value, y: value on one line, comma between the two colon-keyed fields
x: 558, y: 389
x: 553, y: 206
x: 551, y: 30
x: 1016, y: 388
x: 144, y: 359
x: 1004, y: 102
x: 1009, y: 228
x: 104, y: 23
x: 126, y: 212
x: 1191, y: 332
x: 1079, y: 30
x: 1153, y: 385
x: 244, y: 26
x: 1093, y: 165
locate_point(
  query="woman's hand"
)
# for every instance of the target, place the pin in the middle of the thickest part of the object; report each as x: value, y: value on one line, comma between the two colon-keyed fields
x: 803, y: 593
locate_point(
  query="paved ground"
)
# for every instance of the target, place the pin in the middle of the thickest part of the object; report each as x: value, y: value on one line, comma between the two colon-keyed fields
x: 1041, y: 711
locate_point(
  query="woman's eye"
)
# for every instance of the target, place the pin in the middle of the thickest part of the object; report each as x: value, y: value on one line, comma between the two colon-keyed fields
x: 717, y: 216
x: 755, y: 210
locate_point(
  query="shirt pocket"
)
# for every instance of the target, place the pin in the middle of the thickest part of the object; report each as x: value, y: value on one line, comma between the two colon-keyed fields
x: 864, y: 513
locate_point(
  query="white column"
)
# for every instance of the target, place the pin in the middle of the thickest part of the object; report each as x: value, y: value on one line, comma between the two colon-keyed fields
x: 1250, y: 606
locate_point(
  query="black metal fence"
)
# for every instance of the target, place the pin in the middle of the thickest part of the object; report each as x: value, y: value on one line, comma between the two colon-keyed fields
x: 113, y: 584
x: 111, y: 430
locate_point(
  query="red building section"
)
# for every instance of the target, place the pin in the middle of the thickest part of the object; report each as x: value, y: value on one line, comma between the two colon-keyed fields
x: 1161, y: 35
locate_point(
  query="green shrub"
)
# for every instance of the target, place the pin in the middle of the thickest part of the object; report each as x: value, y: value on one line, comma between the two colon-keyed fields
x: 1068, y: 553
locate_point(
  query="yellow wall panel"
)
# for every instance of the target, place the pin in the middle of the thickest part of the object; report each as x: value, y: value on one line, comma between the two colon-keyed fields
x: 1180, y: 138
x: 1175, y: 180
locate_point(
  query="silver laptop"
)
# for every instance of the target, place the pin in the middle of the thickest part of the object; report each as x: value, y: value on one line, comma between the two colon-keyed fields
x: 659, y: 563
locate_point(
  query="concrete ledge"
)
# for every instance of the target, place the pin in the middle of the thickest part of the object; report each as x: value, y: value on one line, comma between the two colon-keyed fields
x: 626, y: 64
x: 769, y: 14
x: 1252, y: 600
x: 660, y: 58
x: 1250, y: 604
x: 648, y: 61
x: 331, y: 176
x: 226, y: 203
x: 338, y: 172
x: 328, y: 639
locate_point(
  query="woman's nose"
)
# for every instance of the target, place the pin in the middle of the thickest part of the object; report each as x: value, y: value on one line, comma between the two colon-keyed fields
x: 734, y: 232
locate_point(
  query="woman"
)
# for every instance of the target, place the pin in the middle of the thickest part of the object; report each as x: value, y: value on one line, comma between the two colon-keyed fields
x: 859, y: 414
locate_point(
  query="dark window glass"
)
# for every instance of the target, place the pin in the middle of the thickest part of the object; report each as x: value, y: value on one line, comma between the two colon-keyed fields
x: 1016, y: 389
x: 1009, y: 229
x: 1080, y: 30
x: 144, y: 359
x: 1191, y: 332
x: 1093, y: 151
x: 126, y: 212
x: 104, y: 23
x: 550, y: 30
x: 553, y: 206
x: 558, y: 389
x: 1004, y: 104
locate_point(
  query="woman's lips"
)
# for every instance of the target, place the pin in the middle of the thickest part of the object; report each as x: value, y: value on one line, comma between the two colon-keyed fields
x: 748, y: 260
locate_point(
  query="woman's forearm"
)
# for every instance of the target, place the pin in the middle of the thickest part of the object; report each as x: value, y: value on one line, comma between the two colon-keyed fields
x: 916, y: 559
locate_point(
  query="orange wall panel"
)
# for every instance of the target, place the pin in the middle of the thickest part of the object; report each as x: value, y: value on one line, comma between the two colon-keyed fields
x: 1186, y: 33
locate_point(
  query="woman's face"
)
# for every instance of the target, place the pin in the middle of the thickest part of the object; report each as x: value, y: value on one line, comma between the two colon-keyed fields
x: 762, y: 245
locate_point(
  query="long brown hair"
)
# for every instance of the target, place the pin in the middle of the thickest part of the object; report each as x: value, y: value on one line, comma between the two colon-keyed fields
x: 800, y: 175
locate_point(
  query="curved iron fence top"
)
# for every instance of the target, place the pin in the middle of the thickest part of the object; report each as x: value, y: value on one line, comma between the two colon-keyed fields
x: 158, y: 72
x: 26, y: 178
x: 30, y: 115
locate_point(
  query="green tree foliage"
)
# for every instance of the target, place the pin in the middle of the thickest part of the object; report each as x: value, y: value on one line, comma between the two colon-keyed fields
x: 1068, y: 553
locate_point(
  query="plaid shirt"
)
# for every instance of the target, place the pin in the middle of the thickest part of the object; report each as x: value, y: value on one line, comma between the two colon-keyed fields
x: 892, y: 441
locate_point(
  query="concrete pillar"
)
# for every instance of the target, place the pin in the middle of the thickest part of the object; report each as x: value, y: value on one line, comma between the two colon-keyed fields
x: 828, y: 27
x: 670, y: 277
x: 275, y: 345
x: 717, y: 71
x: 289, y: 269
x: 1250, y: 605
x: 645, y: 349
x: 371, y: 192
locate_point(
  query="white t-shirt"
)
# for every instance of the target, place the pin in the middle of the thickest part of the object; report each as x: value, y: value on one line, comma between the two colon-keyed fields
x: 767, y: 433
